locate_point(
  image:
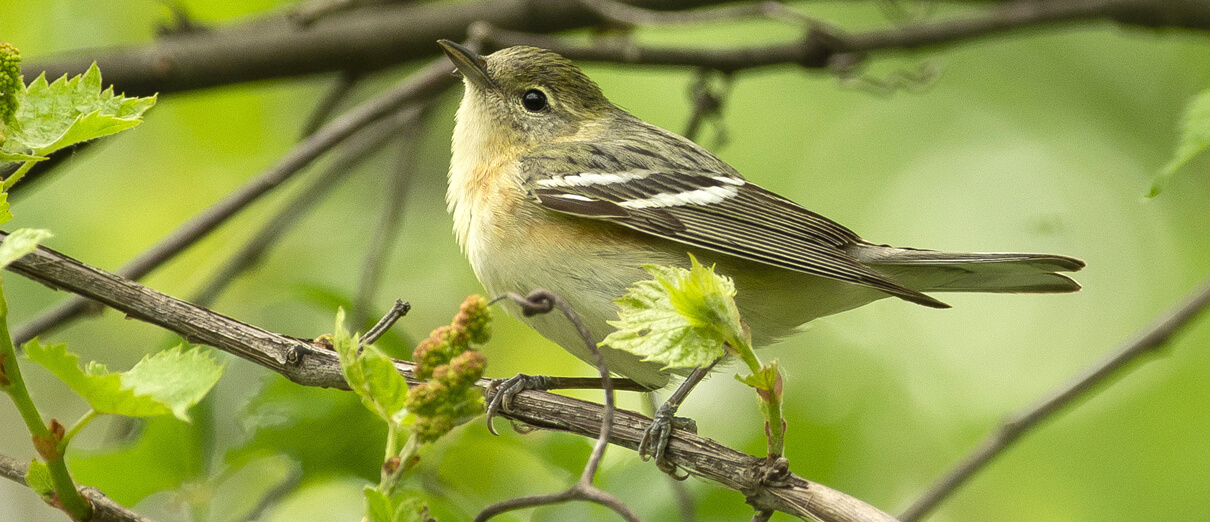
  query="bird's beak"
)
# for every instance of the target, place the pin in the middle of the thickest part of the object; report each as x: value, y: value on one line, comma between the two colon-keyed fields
x: 472, y: 66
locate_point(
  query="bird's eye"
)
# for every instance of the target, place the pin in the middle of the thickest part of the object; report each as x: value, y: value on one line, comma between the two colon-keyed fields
x: 533, y: 100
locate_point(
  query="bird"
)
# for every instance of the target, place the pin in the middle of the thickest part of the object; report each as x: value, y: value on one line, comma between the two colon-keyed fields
x: 552, y: 186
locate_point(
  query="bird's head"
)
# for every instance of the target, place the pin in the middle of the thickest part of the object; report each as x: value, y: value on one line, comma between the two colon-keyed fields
x: 525, y: 96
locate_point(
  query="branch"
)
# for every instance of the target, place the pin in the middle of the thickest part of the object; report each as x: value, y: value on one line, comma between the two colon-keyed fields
x: 374, y: 37
x: 337, y: 93
x: 308, y: 364
x: 827, y: 47
x: 361, y: 40
x: 1147, y: 342
x: 104, y: 509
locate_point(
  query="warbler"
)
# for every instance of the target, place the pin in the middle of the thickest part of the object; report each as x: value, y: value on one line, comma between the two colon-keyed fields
x: 552, y: 186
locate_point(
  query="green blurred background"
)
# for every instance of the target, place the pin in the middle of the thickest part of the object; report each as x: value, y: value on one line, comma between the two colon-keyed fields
x: 1044, y: 141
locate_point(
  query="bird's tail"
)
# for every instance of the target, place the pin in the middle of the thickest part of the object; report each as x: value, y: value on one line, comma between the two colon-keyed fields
x: 997, y: 272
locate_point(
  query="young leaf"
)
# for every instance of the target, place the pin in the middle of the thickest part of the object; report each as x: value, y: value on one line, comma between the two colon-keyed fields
x: 400, y: 507
x: 166, y: 383
x: 681, y: 318
x: 52, y: 116
x: 1195, y: 138
x: 176, y: 378
x: 17, y: 156
x: 378, y: 506
x: 765, y: 379
x: 18, y: 243
x: 37, y: 477
x: 101, y: 389
x: 371, y: 374
x: 5, y: 215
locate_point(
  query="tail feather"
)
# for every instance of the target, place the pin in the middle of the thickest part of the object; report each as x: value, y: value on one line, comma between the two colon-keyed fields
x: 996, y: 272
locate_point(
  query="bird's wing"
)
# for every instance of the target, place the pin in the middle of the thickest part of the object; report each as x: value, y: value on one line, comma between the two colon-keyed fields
x: 714, y: 209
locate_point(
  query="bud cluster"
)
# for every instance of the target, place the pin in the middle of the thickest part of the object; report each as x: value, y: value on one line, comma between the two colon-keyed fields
x: 449, y: 367
x: 10, y: 82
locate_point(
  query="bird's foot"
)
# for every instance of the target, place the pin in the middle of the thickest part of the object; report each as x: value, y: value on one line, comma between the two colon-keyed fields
x: 500, y: 393
x: 655, y: 439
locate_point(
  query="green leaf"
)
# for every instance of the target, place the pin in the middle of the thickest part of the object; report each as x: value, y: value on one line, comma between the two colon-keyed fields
x: 19, y: 243
x: 167, y: 453
x: 681, y: 318
x: 101, y: 389
x: 401, y: 507
x: 371, y: 374
x: 5, y: 214
x: 17, y: 156
x: 88, y: 127
x: 37, y: 477
x: 327, y: 431
x: 764, y: 379
x: 166, y: 383
x: 176, y: 378
x: 378, y: 506
x: 1195, y: 138
x: 52, y: 116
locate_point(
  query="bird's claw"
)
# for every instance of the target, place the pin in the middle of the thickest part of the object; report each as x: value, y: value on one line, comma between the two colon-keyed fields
x: 655, y: 439
x: 500, y: 394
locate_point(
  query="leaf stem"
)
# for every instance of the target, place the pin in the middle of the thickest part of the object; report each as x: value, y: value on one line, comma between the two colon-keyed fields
x: 65, y: 488
x: 776, y: 426
x: 770, y: 394
x: 392, y: 441
x: 75, y: 428
x: 390, y: 480
x: 16, y: 176
x: 746, y: 353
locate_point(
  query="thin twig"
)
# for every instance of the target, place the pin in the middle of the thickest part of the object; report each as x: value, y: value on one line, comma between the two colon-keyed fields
x: 626, y: 14
x: 378, y: 252
x: 351, y: 155
x: 1146, y: 342
x: 826, y: 47
x: 811, y: 54
x: 398, y: 310
x: 540, y: 302
x: 182, y: 22
x: 104, y: 509
x: 707, y: 106
x: 426, y: 83
x: 345, y: 82
x: 762, y: 516
x: 308, y: 12
x: 274, y: 496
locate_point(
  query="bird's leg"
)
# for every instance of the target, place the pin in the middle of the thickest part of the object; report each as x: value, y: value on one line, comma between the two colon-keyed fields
x: 500, y: 392
x: 655, y: 439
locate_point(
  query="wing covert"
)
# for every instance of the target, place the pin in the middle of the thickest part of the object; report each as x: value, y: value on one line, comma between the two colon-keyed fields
x: 713, y: 209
